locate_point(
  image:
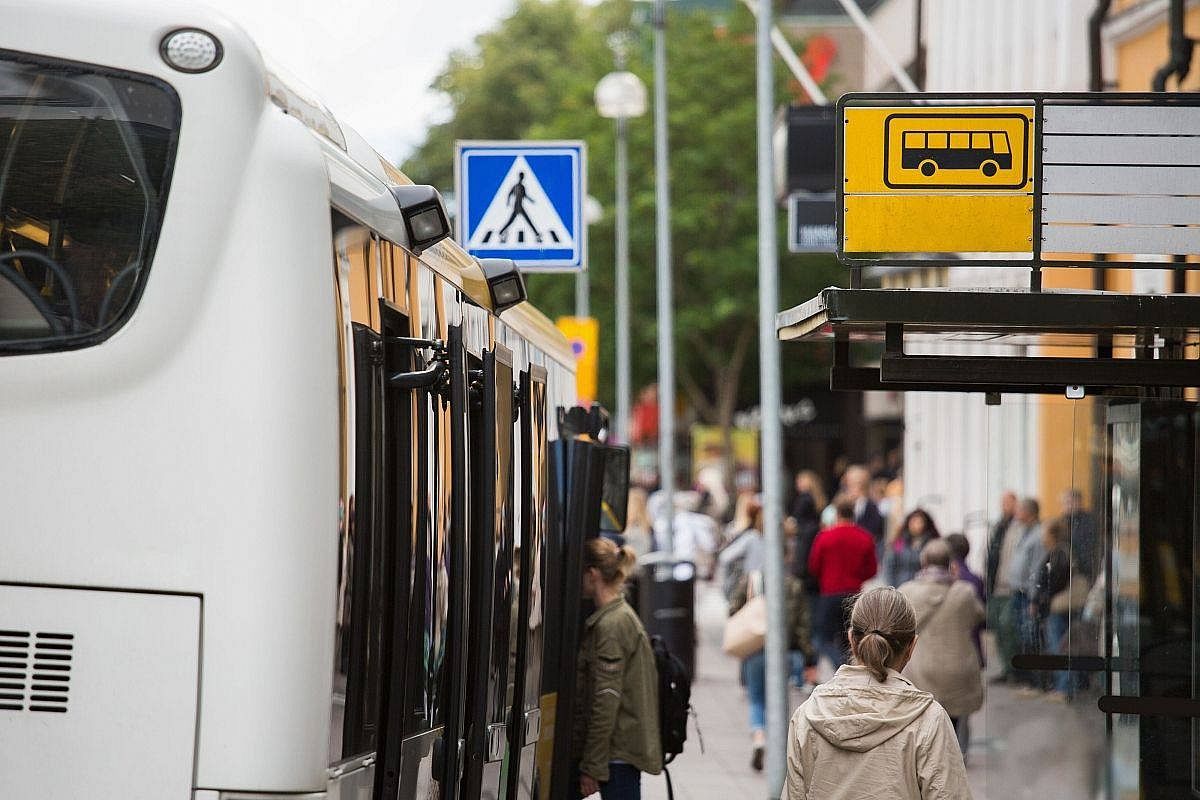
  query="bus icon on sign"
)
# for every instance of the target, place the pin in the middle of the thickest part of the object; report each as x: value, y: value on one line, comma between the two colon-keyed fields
x: 980, y: 151
x: 986, y: 151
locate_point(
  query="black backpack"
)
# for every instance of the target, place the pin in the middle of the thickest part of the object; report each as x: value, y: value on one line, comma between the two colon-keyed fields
x: 674, y: 704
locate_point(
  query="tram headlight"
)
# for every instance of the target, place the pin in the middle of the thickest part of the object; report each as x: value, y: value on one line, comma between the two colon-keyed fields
x: 504, y: 281
x: 191, y: 50
x: 424, y: 215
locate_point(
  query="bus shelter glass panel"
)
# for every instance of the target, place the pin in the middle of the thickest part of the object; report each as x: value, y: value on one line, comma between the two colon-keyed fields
x: 1039, y: 733
x: 1151, y: 636
x: 1086, y: 545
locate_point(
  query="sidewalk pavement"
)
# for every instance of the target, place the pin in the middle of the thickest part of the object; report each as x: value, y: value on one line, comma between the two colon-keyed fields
x: 1021, y: 748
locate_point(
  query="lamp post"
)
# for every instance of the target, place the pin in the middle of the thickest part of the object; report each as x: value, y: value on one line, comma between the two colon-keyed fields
x: 621, y: 95
x: 662, y: 271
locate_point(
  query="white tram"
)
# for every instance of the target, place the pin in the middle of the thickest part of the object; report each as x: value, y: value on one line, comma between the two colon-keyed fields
x: 282, y: 493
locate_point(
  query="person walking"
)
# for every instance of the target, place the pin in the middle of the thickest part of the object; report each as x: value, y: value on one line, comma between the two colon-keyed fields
x: 799, y: 629
x: 960, y: 548
x: 1022, y: 576
x: 803, y: 523
x: 841, y: 560
x: 866, y: 513
x: 1004, y: 622
x: 743, y: 549
x: 869, y: 732
x: 1008, y: 510
x: 694, y: 533
x: 1059, y: 596
x: 902, y: 557
x: 615, y: 733
x: 1081, y: 534
x: 947, y: 664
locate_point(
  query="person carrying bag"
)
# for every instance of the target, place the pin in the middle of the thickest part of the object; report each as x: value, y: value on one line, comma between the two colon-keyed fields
x: 745, y: 638
x: 746, y: 629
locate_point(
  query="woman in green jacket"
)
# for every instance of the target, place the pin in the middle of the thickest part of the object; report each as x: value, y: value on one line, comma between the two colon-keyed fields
x: 616, y: 721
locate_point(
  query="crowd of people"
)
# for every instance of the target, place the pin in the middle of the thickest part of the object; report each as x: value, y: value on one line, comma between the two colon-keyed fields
x: 881, y: 597
x: 1034, y: 589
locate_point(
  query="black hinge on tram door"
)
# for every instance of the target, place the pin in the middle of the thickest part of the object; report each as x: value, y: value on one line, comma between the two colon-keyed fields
x: 519, y: 394
x: 475, y: 387
x: 375, y: 352
x: 435, y: 376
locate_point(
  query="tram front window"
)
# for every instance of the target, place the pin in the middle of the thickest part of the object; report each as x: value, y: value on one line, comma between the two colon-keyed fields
x: 85, y: 156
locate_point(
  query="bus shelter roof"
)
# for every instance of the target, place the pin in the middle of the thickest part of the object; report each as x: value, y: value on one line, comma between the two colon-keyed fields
x: 1160, y: 330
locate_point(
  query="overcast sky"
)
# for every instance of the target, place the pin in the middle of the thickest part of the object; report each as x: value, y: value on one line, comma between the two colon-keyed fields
x: 371, y: 61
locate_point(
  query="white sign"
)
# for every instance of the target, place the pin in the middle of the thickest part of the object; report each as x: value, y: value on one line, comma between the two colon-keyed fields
x: 1121, y: 179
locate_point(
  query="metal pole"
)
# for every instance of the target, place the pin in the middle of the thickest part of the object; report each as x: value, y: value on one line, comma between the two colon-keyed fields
x: 788, y: 55
x: 623, y: 397
x: 880, y: 46
x: 583, y: 306
x: 662, y: 269
x: 771, y: 430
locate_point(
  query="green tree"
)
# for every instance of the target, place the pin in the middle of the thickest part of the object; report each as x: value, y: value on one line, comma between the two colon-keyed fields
x: 533, y: 76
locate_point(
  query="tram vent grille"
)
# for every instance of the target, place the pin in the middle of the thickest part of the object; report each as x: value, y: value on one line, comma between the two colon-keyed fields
x: 35, y: 670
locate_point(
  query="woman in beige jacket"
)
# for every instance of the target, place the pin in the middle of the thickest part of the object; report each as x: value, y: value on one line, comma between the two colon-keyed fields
x: 947, y: 612
x: 869, y: 733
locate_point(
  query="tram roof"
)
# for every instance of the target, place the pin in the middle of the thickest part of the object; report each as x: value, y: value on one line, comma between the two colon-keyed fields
x: 447, y: 257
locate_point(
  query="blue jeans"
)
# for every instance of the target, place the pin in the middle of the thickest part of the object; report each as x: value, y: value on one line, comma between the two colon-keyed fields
x: 1064, y: 681
x: 796, y: 662
x: 754, y: 672
x: 624, y: 783
x: 1028, y: 636
x: 829, y: 628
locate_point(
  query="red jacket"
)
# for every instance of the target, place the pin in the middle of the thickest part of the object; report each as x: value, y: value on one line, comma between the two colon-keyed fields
x: 842, y: 558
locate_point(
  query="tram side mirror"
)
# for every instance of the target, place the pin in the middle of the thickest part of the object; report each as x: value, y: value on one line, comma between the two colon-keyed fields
x: 425, y: 219
x: 614, y: 497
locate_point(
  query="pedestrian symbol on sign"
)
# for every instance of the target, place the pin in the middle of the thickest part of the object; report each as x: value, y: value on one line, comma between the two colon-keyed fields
x: 520, y: 215
x: 516, y: 196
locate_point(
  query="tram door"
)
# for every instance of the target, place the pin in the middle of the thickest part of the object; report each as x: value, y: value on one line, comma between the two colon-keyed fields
x: 526, y: 721
x: 416, y: 487
x: 577, y: 473
x: 1151, y: 636
x: 449, y: 750
x: 489, y: 694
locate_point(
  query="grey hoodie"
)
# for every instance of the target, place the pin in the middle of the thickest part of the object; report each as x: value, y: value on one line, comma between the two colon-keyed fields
x: 858, y: 739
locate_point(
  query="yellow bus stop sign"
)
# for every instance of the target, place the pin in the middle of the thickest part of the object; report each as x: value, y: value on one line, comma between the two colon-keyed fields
x: 584, y: 335
x: 937, y: 179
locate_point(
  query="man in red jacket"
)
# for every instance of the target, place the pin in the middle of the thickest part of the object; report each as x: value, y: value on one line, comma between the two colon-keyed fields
x: 841, y: 560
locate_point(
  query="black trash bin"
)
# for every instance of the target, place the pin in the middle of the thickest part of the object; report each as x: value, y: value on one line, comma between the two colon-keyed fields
x: 666, y: 602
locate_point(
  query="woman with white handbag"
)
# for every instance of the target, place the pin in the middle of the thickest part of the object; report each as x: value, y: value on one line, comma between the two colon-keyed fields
x: 745, y: 635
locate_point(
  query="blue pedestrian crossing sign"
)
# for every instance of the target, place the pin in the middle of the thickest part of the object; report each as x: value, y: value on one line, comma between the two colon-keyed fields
x: 524, y: 201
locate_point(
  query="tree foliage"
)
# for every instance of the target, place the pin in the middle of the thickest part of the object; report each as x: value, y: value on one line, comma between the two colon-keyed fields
x: 533, y: 77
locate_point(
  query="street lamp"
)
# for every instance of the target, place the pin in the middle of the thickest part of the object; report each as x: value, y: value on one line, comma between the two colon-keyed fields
x: 621, y: 95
